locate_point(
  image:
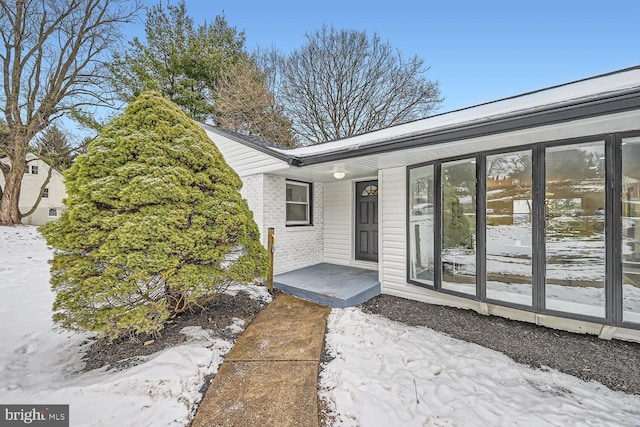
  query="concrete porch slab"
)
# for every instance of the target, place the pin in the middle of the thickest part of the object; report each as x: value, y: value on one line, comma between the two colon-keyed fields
x: 330, y: 284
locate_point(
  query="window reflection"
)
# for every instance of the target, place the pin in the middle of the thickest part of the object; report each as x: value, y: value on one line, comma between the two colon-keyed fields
x: 631, y: 230
x: 509, y: 221
x: 421, y: 221
x: 459, y: 226
x: 575, y: 218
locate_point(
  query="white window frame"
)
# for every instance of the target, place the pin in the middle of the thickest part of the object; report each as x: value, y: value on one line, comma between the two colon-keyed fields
x: 45, y: 193
x: 307, y: 221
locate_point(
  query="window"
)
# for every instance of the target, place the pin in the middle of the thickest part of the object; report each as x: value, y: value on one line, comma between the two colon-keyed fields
x: 546, y: 228
x: 574, y: 219
x: 45, y: 193
x: 509, y: 219
x: 53, y: 212
x: 370, y: 190
x: 298, y: 199
x: 34, y: 170
x: 631, y: 230
x: 421, y: 222
x: 458, y: 212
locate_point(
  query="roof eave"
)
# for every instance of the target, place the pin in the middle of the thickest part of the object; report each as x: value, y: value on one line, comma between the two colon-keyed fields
x: 484, y: 127
x: 262, y: 148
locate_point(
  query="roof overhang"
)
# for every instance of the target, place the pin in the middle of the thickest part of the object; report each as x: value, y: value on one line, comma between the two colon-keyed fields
x: 594, y: 99
x: 480, y: 128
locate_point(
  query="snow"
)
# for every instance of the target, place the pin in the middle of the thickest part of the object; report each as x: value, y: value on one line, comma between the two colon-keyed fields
x: 40, y: 364
x: 384, y: 373
x: 388, y: 374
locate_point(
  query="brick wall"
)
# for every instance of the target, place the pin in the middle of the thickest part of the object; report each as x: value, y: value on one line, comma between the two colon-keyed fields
x: 252, y: 192
x: 296, y: 247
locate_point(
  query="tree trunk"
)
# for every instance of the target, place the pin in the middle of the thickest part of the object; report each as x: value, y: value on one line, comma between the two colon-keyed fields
x: 9, y: 212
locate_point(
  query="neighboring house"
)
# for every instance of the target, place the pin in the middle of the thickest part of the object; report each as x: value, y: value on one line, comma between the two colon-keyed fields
x: 35, y: 174
x: 526, y: 207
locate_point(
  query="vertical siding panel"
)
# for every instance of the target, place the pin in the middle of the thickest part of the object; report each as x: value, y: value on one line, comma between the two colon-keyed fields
x: 393, y: 227
x: 337, y: 222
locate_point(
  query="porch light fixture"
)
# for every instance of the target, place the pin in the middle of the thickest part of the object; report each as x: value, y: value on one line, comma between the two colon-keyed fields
x: 338, y: 172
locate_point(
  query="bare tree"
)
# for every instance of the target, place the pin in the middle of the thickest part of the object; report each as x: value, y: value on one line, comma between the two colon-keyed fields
x: 51, y: 54
x: 245, y: 105
x: 342, y: 83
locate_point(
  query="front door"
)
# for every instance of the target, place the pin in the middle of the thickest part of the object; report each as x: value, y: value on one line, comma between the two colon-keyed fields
x: 366, y: 224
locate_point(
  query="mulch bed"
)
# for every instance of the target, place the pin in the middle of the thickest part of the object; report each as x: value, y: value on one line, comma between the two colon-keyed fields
x: 216, y: 315
x: 615, y: 363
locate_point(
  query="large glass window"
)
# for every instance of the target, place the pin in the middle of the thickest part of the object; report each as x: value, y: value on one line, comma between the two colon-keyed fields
x: 551, y: 257
x: 575, y: 218
x: 509, y: 227
x: 631, y: 230
x: 421, y: 222
x: 458, y: 267
x: 298, y: 199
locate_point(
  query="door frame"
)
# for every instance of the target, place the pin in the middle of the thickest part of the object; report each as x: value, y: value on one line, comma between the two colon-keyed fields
x: 354, y: 218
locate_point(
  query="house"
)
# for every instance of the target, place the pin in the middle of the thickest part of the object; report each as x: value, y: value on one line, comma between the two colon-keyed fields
x: 35, y: 174
x: 526, y: 207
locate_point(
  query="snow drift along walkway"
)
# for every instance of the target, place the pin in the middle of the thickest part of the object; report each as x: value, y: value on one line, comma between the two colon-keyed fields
x: 40, y: 364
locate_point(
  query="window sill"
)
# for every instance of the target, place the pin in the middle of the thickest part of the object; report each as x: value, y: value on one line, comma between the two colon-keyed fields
x: 299, y: 227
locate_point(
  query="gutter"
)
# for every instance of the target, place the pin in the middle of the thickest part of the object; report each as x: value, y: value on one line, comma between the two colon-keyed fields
x: 524, y: 120
x: 549, y: 115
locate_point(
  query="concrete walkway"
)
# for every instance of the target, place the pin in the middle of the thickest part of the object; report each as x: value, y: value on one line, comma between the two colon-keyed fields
x: 269, y: 378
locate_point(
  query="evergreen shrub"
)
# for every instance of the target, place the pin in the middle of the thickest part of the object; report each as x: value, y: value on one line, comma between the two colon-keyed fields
x: 154, y: 226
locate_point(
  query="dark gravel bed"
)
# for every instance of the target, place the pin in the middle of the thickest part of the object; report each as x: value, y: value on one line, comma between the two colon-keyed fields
x: 615, y: 363
x: 216, y: 316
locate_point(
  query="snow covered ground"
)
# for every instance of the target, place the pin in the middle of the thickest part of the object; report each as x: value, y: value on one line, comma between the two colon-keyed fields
x: 40, y: 365
x: 388, y: 374
x: 384, y: 374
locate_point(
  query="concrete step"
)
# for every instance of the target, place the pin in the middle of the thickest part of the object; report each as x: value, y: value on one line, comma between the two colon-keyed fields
x: 331, y: 285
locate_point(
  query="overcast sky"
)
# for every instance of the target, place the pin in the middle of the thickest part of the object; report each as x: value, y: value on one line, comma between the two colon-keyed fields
x: 479, y: 51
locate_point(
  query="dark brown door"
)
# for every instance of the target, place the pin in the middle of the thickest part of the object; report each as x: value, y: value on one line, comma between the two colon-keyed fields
x: 367, y: 221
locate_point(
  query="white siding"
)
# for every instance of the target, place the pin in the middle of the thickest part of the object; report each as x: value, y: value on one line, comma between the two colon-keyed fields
x: 337, y: 222
x: 30, y: 189
x: 243, y: 159
x: 392, y: 210
x: 339, y: 206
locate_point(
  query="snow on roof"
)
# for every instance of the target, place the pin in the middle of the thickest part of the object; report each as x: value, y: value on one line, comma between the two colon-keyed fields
x: 571, y: 93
